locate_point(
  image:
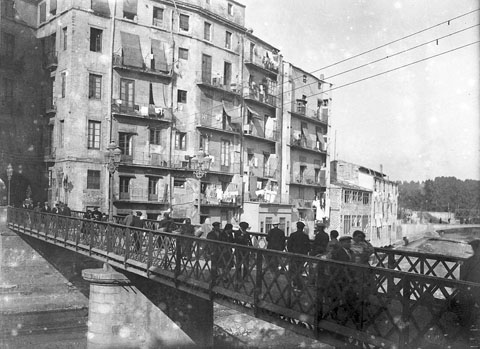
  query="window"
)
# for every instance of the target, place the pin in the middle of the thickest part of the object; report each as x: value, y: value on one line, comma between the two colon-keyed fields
x: 96, y: 40
x: 9, y: 8
x: 230, y: 9
x: 61, y: 133
x: 43, y: 12
x: 207, y: 31
x: 181, y: 96
x: 225, y: 153
x: 152, y: 186
x: 53, y: 7
x: 182, y: 53
x: 158, y: 17
x: 124, y: 187
x: 227, y: 73
x: 355, y: 196
x: 155, y: 135
x: 8, y: 45
x: 94, y: 86
x: 181, y: 140
x: 64, y: 84
x: 93, y: 138
x: 303, y: 169
x: 93, y: 179
x: 228, y: 40
x: 347, y: 196
x: 127, y: 91
x: 347, y: 223
x: 65, y: 38
x: 125, y: 142
x: 184, y: 22
x: 130, y: 9
x: 366, y: 198
x: 317, y: 175
x: 204, y: 143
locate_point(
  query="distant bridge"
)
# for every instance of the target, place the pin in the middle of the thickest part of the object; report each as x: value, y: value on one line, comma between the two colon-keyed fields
x: 405, y: 300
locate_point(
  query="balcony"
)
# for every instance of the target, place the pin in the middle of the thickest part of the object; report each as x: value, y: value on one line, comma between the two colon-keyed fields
x: 269, y: 135
x: 50, y: 106
x: 141, y: 195
x: 216, y: 123
x: 50, y: 61
x: 301, y: 203
x: 216, y: 82
x: 147, y: 111
x: 309, y: 180
x: 254, y: 94
x: 264, y: 64
x: 165, y: 70
x: 307, y: 144
x: 319, y: 115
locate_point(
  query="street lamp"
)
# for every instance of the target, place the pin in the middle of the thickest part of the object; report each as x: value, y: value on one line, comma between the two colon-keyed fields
x: 9, y: 176
x: 203, y: 162
x: 114, y: 154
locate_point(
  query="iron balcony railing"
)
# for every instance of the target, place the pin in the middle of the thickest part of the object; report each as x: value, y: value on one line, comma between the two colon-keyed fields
x: 264, y: 63
x: 305, y: 143
x: 149, y: 66
x: 375, y: 305
x: 272, y: 135
x: 254, y: 93
x: 217, y: 81
x: 320, y: 114
x: 148, y: 111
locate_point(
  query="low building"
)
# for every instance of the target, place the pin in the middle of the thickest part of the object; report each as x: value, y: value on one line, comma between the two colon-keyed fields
x: 363, y: 199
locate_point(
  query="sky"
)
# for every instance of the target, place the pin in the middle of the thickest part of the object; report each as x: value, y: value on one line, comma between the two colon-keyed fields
x: 419, y: 122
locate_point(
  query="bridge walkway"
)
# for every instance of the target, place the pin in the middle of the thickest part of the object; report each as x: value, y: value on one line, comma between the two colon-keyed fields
x: 406, y: 300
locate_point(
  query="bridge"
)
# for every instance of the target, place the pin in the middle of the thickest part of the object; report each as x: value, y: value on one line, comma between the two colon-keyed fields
x: 404, y: 300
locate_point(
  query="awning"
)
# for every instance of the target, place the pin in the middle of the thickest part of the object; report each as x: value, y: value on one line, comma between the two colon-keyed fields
x: 320, y: 137
x: 254, y: 113
x: 101, y: 6
x: 304, y: 129
x: 232, y: 111
x: 158, y: 51
x: 132, y: 52
x: 130, y: 6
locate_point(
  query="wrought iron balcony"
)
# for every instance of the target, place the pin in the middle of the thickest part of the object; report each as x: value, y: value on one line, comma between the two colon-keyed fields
x: 319, y: 114
x: 307, y: 144
x: 149, y: 111
x: 216, y: 82
x: 153, y: 68
x: 270, y: 66
x: 254, y: 94
x: 50, y: 60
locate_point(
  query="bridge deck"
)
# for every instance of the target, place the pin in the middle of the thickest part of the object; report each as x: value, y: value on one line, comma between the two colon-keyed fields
x: 379, y: 306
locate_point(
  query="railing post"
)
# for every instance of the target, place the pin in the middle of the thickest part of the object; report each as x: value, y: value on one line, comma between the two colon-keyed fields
x: 178, y: 258
x: 403, y: 325
x: 318, y: 315
x: 149, y: 252
x: 128, y: 241
x: 391, y: 266
x: 258, y: 281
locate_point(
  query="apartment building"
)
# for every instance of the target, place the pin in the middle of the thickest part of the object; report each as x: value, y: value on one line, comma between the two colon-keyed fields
x: 21, y: 122
x: 363, y: 199
x: 194, y: 101
x: 306, y: 163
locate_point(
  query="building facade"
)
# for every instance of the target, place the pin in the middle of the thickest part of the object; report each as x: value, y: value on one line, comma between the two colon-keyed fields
x: 363, y: 199
x: 210, y: 122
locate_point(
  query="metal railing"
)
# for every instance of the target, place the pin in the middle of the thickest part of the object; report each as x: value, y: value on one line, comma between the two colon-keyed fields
x: 320, y: 114
x: 264, y: 63
x: 216, y: 81
x: 255, y: 94
x: 141, y: 110
x: 152, y: 67
x: 372, y: 306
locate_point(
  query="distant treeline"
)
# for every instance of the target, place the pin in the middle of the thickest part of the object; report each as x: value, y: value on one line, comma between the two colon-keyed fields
x: 441, y: 195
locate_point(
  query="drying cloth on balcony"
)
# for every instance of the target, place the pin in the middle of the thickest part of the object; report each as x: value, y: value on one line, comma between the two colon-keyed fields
x: 270, y: 127
x: 101, y: 6
x: 254, y: 113
x: 130, y: 6
x: 233, y: 112
x: 132, y: 51
x: 160, y: 59
x: 321, y: 140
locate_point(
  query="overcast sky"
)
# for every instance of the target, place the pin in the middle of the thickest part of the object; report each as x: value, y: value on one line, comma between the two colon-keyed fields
x: 419, y: 122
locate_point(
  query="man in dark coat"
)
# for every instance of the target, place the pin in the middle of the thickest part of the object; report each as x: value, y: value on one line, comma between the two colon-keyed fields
x: 242, y: 237
x: 320, y: 242
x: 299, y: 243
x: 214, y: 249
x: 275, y: 241
x: 187, y: 229
x: 137, y: 223
x: 226, y: 235
x: 46, y: 208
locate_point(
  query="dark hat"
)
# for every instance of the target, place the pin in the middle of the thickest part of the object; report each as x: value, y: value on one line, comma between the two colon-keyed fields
x: 216, y: 224
x: 320, y: 224
x: 139, y: 213
x: 345, y: 238
x: 300, y: 224
x: 228, y: 226
x: 358, y: 233
x: 244, y: 225
x: 474, y: 243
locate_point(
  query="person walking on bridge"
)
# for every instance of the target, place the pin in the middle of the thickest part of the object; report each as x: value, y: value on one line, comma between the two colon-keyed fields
x: 298, y: 243
x: 242, y: 260
x: 275, y: 241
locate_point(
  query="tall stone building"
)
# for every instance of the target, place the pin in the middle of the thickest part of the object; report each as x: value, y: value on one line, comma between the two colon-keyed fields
x: 206, y: 115
x: 363, y: 199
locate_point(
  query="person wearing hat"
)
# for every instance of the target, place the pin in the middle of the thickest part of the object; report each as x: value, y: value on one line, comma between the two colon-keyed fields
x: 320, y: 242
x: 242, y: 255
x: 46, y: 208
x: 275, y: 241
x: 187, y: 229
x: 343, y: 253
x: 213, y: 250
x: 299, y: 243
x: 361, y: 248
x: 136, y: 223
x: 226, y: 235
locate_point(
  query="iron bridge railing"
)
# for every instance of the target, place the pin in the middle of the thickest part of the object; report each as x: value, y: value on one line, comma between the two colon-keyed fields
x: 365, y: 306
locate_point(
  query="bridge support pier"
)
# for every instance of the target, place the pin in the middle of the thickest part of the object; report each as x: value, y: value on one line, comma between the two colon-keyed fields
x: 121, y: 316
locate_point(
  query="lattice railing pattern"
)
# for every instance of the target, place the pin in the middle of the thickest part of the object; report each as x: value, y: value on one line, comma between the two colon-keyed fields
x: 380, y: 306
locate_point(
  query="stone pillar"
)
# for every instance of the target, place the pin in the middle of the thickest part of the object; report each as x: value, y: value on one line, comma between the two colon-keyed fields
x: 121, y: 316
x: 105, y: 313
